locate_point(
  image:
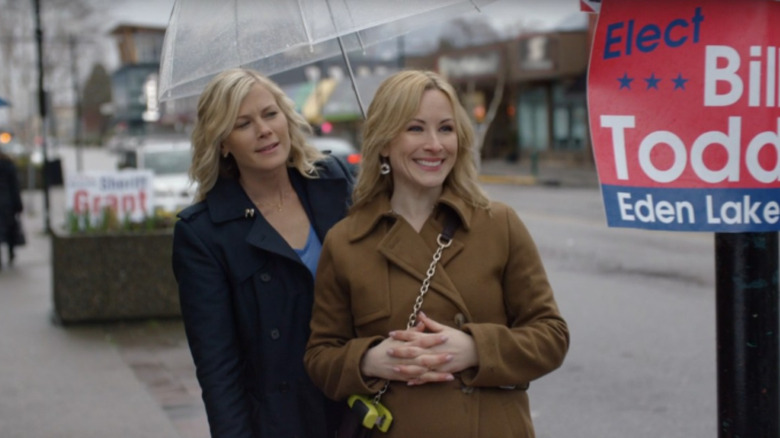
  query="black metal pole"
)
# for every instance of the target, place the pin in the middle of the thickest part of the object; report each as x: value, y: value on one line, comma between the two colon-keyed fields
x: 77, y: 103
x: 747, y: 334
x: 42, y: 113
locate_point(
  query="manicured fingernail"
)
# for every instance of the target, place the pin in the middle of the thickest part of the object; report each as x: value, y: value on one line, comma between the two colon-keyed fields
x: 396, y: 369
x: 450, y: 378
x: 390, y: 352
x: 448, y: 357
x: 392, y: 334
x: 423, y: 314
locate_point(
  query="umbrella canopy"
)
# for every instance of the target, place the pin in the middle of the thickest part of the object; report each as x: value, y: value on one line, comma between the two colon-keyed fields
x: 205, y: 37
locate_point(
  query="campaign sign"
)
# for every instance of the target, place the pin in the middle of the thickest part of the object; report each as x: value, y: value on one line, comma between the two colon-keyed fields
x: 128, y: 193
x: 684, y: 106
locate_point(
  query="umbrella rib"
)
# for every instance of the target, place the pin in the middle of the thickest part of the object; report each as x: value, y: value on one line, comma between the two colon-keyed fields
x: 305, y: 26
x: 346, y: 61
x: 238, y: 41
x: 357, y: 34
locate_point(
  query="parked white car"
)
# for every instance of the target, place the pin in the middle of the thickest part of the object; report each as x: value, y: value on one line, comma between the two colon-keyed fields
x: 170, y: 161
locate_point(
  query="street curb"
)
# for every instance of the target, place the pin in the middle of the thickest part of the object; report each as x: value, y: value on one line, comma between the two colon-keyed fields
x: 524, y: 180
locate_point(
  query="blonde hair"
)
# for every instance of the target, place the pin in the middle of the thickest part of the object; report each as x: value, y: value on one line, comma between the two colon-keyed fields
x: 395, y: 103
x: 217, y: 112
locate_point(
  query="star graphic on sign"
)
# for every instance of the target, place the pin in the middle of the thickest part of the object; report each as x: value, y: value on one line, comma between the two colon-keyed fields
x: 652, y: 81
x: 679, y: 82
x: 625, y: 81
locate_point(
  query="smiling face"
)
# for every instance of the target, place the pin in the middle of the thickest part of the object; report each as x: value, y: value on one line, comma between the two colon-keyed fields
x: 260, y: 138
x: 423, y: 154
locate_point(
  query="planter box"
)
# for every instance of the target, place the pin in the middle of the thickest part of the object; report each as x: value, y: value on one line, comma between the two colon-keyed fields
x: 110, y: 277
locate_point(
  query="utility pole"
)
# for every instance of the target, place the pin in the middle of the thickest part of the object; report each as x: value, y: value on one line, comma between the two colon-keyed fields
x: 42, y: 113
x: 77, y: 105
x: 746, y: 266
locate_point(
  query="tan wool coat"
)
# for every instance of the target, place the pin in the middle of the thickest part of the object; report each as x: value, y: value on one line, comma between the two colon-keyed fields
x: 490, y: 283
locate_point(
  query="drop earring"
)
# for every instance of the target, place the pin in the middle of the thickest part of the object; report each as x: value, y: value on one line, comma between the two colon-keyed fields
x: 384, y: 167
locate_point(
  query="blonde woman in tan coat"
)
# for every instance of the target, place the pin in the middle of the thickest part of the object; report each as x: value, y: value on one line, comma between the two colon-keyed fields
x: 488, y: 324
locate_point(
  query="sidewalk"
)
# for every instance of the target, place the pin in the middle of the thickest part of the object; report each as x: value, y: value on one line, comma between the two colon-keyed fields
x: 122, y: 380
x: 553, y: 174
x: 108, y: 380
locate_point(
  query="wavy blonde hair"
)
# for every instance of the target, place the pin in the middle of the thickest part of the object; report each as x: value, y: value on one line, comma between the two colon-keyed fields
x: 217, y: 112
x: 395, y: 103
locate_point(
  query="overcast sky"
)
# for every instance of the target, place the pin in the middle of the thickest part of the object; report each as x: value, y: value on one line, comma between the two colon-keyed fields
x: 544, y: 13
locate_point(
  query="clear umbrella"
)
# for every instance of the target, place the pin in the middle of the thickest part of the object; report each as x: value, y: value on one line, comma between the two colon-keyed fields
x: 205, y: 37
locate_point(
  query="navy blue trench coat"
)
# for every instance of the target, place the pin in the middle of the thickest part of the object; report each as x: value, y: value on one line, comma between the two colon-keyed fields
x: 10, y: 199
x: 246, y: 301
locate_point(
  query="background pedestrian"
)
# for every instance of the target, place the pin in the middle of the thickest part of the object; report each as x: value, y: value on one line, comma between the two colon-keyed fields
x: 10, y: 207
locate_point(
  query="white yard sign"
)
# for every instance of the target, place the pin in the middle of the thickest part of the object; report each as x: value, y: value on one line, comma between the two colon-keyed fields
x: 128, y: 193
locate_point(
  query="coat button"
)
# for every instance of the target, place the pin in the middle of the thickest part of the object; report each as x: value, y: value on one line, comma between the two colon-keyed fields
x: 459, y: 320
x: 467, y: 389
x: 275, y: 334
x: 265, y: 277
x: 283, y: 386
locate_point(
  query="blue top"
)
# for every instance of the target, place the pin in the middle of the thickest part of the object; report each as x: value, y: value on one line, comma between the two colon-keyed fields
x: 310, y: 254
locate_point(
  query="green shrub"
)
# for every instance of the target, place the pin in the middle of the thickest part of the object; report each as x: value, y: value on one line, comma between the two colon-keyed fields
x: 109, y: 222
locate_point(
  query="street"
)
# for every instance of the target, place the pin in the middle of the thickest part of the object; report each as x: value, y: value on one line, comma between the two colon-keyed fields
x: 641, y: 311
x: 640, y: 307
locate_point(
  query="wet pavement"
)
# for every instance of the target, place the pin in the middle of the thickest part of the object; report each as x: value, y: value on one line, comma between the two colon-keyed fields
x: 124, y: 379
x: 157, y: 353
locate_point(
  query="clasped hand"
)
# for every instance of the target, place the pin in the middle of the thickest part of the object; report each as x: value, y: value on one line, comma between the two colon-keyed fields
x: 429, y: 352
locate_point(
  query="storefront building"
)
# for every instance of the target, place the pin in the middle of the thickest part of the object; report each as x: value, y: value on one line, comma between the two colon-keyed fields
x: 547, y: 76
x: 540, y: 81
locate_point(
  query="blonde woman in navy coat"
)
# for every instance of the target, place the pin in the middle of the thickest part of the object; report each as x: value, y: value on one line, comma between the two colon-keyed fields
x: 244, y: 256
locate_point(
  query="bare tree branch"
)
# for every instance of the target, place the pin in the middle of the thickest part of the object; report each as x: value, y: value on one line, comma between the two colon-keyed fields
x: 482, y: 128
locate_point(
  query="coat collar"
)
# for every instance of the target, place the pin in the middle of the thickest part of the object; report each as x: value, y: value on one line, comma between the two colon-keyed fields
x: 324, y: 199
x: 411, y: 251
x: 368, y: 217
x: 227, y: 201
